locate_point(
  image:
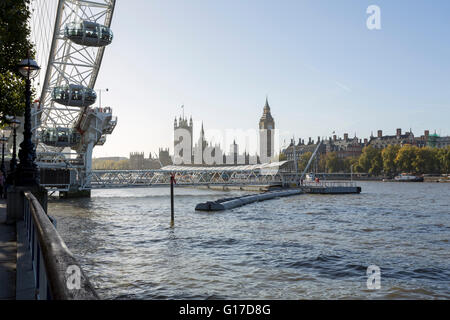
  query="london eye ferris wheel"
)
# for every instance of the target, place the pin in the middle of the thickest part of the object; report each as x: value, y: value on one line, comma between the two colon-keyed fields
x: 70, y: 38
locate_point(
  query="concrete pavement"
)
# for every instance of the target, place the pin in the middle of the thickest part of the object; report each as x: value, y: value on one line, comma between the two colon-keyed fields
x: 8, y: 256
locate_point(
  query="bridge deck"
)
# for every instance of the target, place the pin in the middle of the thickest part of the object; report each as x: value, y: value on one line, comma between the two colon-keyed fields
x: 8, y: 256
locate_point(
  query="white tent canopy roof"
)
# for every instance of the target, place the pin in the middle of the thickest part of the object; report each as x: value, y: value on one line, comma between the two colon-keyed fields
x: 251, y: 167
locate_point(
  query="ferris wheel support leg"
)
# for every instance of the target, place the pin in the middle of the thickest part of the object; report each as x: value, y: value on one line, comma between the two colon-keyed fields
x: 81, y: 187
x: 88, y: 165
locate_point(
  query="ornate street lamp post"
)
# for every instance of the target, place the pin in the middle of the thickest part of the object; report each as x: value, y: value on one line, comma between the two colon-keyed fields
x: 27, y: 172
x: 4, y: 140
x: 13, y: 164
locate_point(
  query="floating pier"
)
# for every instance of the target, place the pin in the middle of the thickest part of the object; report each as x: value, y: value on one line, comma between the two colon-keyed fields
x: 249, y: 187
x: 312, y: 188
x: 230, y: 203
x: 331, y: 188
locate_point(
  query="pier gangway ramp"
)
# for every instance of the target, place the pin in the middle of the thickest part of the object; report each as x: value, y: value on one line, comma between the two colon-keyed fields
x: 256, y: 174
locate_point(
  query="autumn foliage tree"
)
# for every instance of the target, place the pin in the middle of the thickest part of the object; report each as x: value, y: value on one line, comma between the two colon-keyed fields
x: 405, y: 158
x: 99, y: 164
x: 426, y: 160
x: 14, y: 46
x: 332, y: 162
x: 443, y: 156
x: 370, y: 161
x: 389, y: 154
x: 390, y: 161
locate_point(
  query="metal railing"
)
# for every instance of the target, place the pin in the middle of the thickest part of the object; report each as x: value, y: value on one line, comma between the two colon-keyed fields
x: 57, y: 274
x: 326, y: 184
x: 160, y: 177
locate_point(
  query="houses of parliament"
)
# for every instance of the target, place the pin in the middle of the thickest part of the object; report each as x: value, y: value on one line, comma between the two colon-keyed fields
x: 233, y: 157
x: 266, y: 143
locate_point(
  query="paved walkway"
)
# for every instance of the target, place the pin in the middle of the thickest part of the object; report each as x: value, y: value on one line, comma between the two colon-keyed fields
x: 8, y: 256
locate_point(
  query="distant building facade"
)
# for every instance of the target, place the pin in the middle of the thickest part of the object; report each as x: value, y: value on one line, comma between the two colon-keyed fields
x: 164, y: 157
x: 352, y: 147
x: 136, y: 160
x: 343, y: 147
x: 440, y: 142
x: 426, y: 140
x: 139, y: 162
x: 346, y: 147
x: 432, y: 140
x: 382, y: 141
x: 295, y: 151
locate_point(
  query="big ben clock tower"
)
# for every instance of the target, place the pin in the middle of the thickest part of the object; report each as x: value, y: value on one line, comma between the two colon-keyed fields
x: 266, y: 135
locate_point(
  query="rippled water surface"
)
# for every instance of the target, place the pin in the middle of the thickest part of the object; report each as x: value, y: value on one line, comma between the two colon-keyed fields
x: 301, y: 247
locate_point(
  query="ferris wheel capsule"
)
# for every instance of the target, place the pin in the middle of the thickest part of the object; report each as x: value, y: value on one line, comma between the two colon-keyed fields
x: 60, y: 137
x: 88, y: 33
x: 74, y: 95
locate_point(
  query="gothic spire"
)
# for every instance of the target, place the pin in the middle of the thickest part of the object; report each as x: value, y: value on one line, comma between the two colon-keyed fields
x: 266, y: 113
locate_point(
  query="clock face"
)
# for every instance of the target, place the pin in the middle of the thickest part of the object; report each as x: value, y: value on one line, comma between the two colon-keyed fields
x: 269, y: 127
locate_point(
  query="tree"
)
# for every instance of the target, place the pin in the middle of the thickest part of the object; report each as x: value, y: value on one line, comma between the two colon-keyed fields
x: 376, y: 166
x: 99, y: 164
x: 322, y: 165
x: 426, y: 160
x: 303, y: 161
x: 332, y: 162
x: 14, y: 46
x: 389, y: 154
x: 348, y: 163
x: 370, y: 161
x: 443, y: 158
x: 405, y: 158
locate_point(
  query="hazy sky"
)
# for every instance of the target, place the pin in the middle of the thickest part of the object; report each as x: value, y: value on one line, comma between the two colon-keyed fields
x: 322, y: 69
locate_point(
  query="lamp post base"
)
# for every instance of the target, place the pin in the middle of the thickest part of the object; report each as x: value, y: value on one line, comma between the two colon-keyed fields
x: 14, y: 208
x: 27, y: 177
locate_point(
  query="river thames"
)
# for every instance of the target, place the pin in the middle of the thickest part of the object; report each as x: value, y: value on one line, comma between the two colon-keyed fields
x: 300, y: 247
